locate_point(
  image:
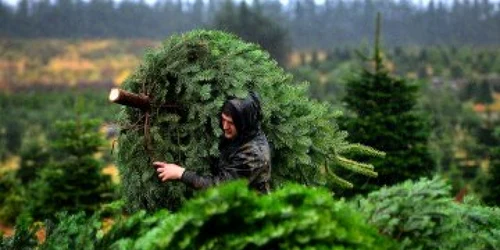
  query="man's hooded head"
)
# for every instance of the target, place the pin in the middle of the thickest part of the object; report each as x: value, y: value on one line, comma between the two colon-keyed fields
x: 246, y: 114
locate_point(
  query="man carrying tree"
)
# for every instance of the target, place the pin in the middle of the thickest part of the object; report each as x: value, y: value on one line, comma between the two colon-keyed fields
x: 244, y: 150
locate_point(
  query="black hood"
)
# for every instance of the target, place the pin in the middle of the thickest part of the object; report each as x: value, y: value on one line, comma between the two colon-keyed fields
x: 246, y: 114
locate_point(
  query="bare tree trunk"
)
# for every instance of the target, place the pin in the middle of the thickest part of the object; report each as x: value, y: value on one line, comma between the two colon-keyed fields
x: 129, y: 99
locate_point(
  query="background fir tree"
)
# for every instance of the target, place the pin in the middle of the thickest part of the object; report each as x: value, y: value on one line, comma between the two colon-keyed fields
x: 484, y: 96
x: 187, y: 81
x: 492, y: 197
x: 382, y: 113
x: 34, y: 155
x: 72, y: 181
x: 12, y: 197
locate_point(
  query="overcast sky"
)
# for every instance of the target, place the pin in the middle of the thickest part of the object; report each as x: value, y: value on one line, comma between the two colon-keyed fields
x: 423, y: 2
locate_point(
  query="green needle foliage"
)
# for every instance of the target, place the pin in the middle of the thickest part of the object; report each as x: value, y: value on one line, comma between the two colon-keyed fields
x: 187, y: 80
x: 382, y: 113
x: 415, y: 214
x: 226, y: 217
x: 423, y: 215
x: 479, y: 227
x: 75, y: 231
x: 233, y: 217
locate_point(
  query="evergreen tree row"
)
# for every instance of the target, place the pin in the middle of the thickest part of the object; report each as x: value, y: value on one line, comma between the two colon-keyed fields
x: 227, y: 217
x: 311, y: 24
x: 411, y: 215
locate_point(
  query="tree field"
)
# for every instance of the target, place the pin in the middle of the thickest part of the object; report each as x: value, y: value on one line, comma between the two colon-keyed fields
x: 383, y: 120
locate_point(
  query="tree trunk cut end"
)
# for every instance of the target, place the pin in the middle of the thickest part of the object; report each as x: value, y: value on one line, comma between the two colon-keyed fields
x: 129, y: 99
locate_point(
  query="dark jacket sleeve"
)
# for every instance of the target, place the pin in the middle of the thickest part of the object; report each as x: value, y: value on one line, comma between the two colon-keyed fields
x: 244, y: 164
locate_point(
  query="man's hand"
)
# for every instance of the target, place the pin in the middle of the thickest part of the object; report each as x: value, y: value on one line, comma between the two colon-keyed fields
x: 167, y: 171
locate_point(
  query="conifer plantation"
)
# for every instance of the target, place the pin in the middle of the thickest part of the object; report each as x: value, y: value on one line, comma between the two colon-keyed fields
x: 187, y: 80
x: 353, y: 143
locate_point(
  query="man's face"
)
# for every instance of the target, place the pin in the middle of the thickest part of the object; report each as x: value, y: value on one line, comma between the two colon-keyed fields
x: 228, y: 127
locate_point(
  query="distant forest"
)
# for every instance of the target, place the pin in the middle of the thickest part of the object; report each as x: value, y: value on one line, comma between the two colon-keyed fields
x: 307, y: 24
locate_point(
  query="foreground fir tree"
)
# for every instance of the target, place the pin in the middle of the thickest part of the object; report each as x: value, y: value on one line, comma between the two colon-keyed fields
x: 186, y: 82
x: 423, y: 215
x: 229, y: 217
x: 382, y: 113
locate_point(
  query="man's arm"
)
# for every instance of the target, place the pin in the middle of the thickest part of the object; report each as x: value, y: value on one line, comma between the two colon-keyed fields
x: 249, y: 163
x: 167, y: 171
x: 243, y: 165
x: 196, y: 181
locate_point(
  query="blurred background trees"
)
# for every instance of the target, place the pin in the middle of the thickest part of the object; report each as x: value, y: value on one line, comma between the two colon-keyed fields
x: 249, y: 23
x: 311, y: 24
x: 73, y: 180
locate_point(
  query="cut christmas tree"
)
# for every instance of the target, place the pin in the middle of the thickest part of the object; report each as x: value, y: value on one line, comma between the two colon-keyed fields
x: 186, y: 81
